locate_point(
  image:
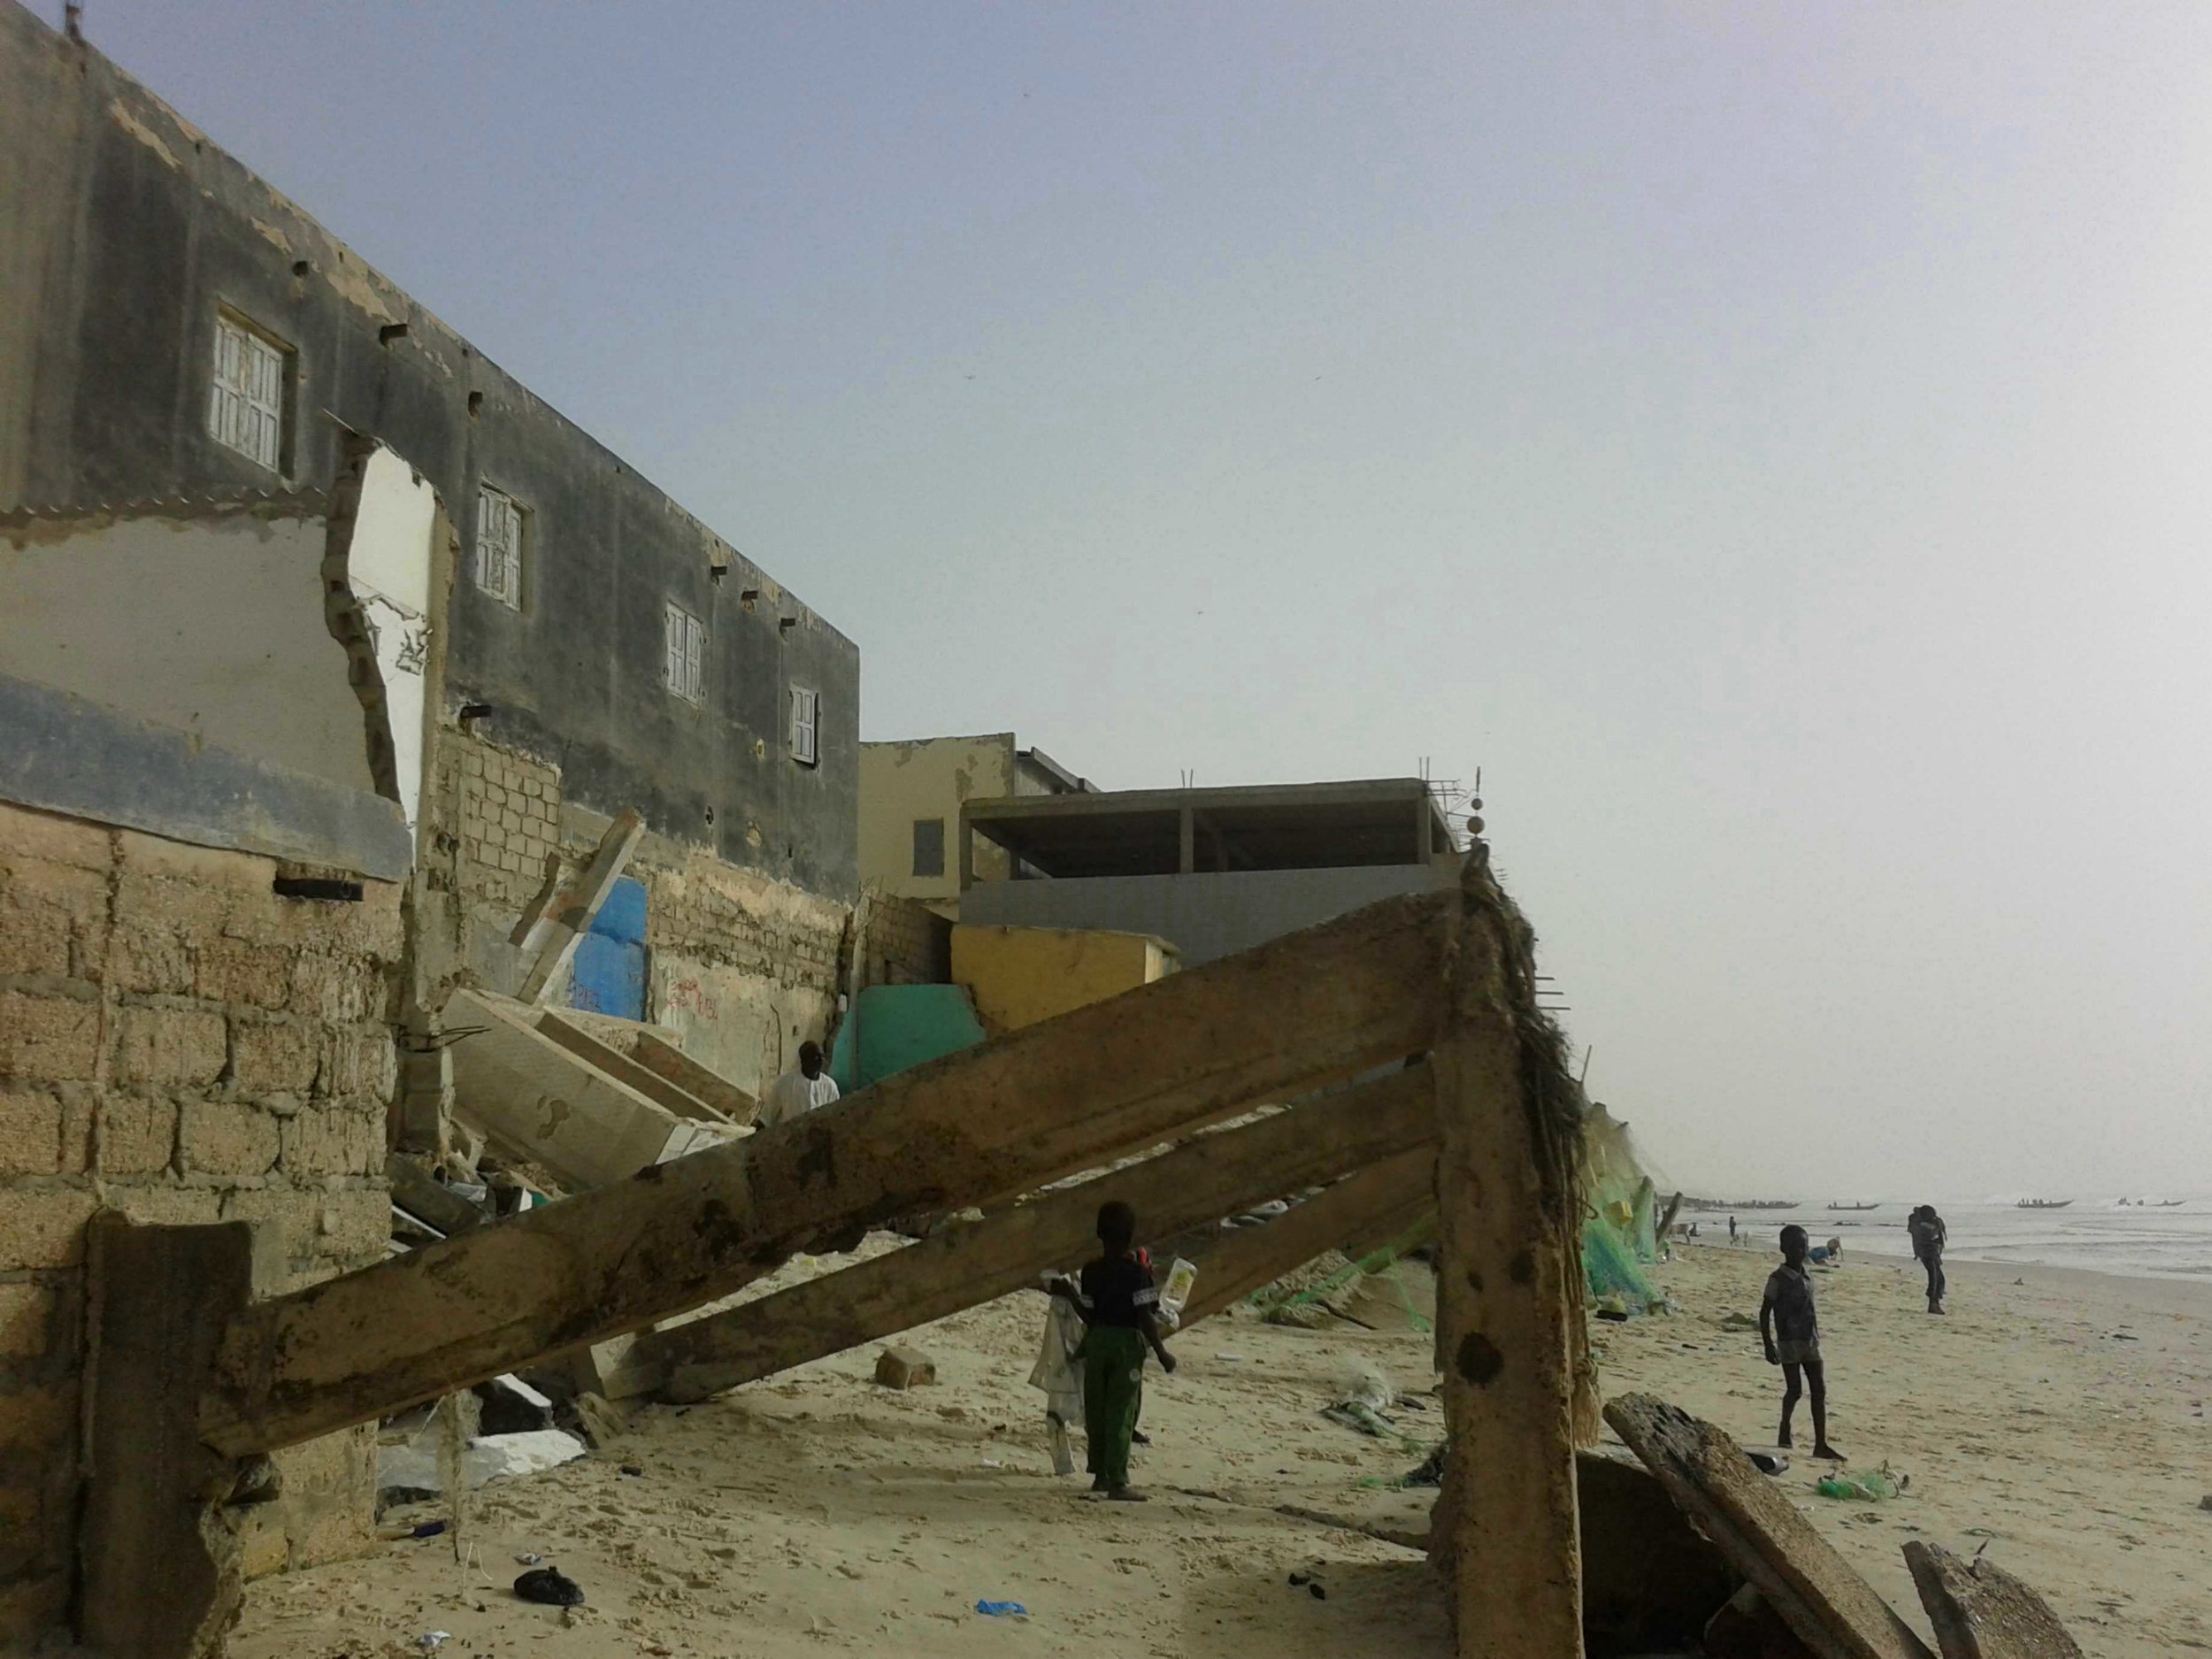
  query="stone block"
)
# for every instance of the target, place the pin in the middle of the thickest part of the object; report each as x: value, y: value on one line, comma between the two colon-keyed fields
x: 34, y: 939
x: 169, y: 1045
x: 80, y: 1106
x: 359, y: 1063
x: 352, y: 1227
x: 154, y: 858
x: 167, y: 1205
x: 62, y: 840
x: 903, y: 1367
x: 40, y: 1229
x: 232, y: 971
x: 274, y: 1058
x: 227, y: 1138
x: 30, y: 1132
x: 39, y: 884
x: 334, y: 987
x: 289, y: 1215
x: 138, y: 1134
x: 147, y: 959
x: 322, y: 1141
x: 48, y: 1036
x: 26, y: 1317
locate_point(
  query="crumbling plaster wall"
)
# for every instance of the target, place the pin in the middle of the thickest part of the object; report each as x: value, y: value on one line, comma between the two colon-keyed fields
x: 180, y: 1043
x: 204, y: 616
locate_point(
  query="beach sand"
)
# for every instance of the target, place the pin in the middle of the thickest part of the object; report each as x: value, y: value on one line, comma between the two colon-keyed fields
x: 818, y: 1512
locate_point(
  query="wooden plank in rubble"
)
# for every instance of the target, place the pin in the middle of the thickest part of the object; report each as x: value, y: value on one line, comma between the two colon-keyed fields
x: 973, y: 1263
x: 1832, y: 1609
x: 1981, y: 1611
x: 1053, y: 1099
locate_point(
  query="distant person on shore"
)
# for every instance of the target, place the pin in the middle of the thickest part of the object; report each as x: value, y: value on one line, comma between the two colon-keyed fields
x: 1731, y: 1229
x: 1929, y: 1235
x: 1119, y: 1304
x: 795, y: 1093
x: 1826, y: 1255
x: 1789, y: 1326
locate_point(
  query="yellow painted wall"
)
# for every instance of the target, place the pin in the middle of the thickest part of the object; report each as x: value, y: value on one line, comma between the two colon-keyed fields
x: 929, y: 778
x: 1018, y: 976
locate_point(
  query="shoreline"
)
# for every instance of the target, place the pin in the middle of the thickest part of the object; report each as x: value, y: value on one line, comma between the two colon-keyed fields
x: 2187, y: 1297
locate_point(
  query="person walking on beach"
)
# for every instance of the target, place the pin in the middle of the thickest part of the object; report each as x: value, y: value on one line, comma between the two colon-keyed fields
x: 1731, y: 1229
x: 1929, y: 1235
x: 1118, y: 1301
x: 1789, y: 1326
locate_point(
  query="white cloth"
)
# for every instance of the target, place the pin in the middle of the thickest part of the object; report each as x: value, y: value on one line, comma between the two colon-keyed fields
x: 794, y: 1095
x: 1061, y: 1378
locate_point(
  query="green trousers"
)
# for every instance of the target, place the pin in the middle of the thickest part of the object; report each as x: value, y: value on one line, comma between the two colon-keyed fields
x: 1113, y: 1391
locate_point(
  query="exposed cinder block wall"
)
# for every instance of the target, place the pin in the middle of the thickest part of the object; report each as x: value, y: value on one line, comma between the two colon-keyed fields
x: 180, y: 1043
x: 740, y: 967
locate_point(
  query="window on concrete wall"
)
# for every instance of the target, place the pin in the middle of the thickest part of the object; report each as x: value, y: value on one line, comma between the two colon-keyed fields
x: 806, y: 720
x: 929, y: 847
x: 245, y: 405
x: 499, y: 545
x: 685, y: 638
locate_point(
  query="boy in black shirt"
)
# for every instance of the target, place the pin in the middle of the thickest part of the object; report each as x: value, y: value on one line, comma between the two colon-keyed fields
x: 1789, y: 1326
x: 1115, y: 1300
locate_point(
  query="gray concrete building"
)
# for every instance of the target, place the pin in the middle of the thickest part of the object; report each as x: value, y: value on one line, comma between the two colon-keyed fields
x: 1210, y: 870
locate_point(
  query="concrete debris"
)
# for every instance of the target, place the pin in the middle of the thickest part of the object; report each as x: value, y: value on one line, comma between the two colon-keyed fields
x: 1981, y: 1611
x: 406, y: 1473
x: 511, y: 1406
x: 905, y: 1367
x: 601, y: 1422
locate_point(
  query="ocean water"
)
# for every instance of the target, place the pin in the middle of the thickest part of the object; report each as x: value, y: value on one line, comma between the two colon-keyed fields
x: 2094, y: 1234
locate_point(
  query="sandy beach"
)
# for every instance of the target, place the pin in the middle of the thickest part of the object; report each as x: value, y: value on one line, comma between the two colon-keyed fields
x: 2061, y: 1420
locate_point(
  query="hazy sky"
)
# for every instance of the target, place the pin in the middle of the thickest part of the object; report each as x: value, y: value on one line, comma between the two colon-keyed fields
x: 1769, y: 442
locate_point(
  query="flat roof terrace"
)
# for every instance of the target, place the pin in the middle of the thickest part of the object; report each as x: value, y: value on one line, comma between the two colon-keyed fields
x: 1185, y: 832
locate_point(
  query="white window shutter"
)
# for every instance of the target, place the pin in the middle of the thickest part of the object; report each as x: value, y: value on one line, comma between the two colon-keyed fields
x: 695, y: 653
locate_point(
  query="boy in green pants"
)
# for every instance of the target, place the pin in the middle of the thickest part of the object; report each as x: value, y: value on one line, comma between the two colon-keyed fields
x: 1116, y: 1299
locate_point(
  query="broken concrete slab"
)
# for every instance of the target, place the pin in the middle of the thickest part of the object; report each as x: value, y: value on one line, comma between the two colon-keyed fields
x: 1981, y: 1611
x: 1833, y: 1610
x: 540, y: 1100
x: 618, y: 1064
x: 665, y: 1054
x: 409, y: 1469
x: 902, y: 1367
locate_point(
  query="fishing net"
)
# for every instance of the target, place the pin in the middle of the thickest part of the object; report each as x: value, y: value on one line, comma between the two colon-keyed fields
x: 1620, y: 1218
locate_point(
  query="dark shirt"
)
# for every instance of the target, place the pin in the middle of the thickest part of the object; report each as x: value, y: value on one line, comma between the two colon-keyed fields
x: 1790, y: 1293
x: 1928, y: 1236
x: 1119, y: 1292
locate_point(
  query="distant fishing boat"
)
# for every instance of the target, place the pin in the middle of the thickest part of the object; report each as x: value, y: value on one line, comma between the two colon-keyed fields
x: 2045, y: 1204
x: 1855, y: 1206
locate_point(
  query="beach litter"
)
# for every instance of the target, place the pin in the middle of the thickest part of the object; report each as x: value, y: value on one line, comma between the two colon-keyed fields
x: 1001, y: 1609
x: 431, y: 1640
x: 1870, y: 1488
x: 549, y: 1587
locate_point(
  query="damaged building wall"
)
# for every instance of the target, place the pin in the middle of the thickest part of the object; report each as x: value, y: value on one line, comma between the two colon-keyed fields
x: 740, y: 968
x: 207, y: 616
x: 181, y: 1043
x: 132, y: 250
